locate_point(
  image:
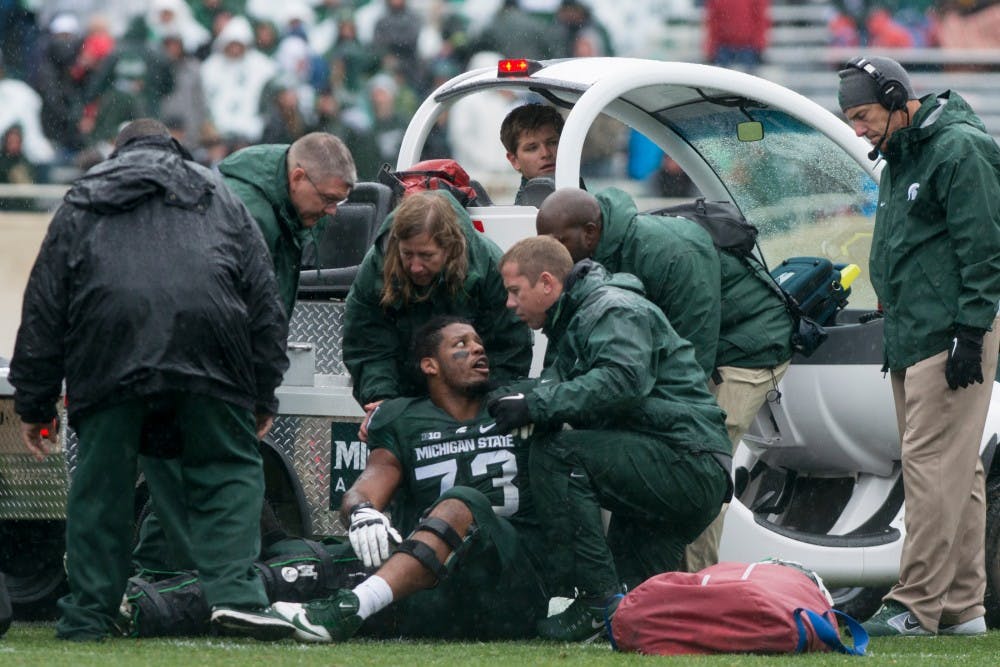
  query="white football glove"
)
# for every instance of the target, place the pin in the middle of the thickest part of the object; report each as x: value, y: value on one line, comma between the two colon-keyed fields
x: 370, y: 533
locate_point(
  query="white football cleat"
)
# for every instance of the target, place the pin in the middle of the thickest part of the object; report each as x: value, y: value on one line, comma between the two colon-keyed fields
x: 305, y: 631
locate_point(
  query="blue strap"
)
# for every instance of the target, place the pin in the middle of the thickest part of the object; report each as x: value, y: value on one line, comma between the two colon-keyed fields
x: 827, y: 631
x: 607, y: 620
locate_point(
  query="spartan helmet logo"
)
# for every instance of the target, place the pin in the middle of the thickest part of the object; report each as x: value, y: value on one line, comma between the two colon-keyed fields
x: 911, y: 192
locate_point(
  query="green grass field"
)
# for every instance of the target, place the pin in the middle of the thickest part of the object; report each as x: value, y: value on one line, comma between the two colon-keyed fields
x: 34, y: 645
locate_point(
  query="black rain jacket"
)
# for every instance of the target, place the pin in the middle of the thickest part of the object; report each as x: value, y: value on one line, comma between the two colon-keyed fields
x: 153, y: 277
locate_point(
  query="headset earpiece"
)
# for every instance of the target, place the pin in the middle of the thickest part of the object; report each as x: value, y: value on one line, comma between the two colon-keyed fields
x: 891, y: 93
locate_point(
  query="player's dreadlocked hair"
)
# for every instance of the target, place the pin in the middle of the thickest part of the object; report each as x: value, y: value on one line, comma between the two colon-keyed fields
x: 428, y: 337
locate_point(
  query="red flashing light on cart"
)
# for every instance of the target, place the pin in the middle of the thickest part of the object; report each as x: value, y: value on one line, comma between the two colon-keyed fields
x: 518, y: 67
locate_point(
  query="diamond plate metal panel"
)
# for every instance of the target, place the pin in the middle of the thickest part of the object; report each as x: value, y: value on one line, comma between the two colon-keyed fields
x: 10, y: 431
x: 306, y: 443
x: 32, y: 490
x: 29, y: 489
x: 322, y: 323
x: 39, y: 490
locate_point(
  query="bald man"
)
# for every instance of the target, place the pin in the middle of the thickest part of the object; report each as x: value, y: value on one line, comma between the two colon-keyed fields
x: 674, y: 258
x: 740, y: 328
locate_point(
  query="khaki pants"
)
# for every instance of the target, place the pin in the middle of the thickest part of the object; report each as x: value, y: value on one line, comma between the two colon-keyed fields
x: 942, y: 572
x: 741, y: 393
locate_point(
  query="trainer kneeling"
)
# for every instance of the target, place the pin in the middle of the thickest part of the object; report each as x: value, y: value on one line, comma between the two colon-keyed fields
x: 648, y: 440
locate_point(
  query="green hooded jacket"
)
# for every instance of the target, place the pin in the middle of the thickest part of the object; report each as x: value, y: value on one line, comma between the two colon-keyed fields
x: 755, y: 330
x: 935, y: 257
x: 676, y: 262
x: 618, y: 364
x: 376, y: 346
x: 259, y: 177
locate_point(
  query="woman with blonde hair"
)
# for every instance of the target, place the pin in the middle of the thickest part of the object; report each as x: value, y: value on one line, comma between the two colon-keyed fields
x: 425, y: 227
x: 427, y: 260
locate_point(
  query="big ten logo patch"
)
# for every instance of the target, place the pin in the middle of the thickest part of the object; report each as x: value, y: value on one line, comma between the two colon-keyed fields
x: 347, y: 459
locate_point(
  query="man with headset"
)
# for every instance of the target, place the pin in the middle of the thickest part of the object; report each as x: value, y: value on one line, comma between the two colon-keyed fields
x: 935, y: 264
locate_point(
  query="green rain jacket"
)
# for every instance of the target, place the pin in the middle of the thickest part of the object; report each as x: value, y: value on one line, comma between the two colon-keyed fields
x: 756, y: 329
x: 259, y: 177
x: 618, y: 364
x: 676, y: 263
x: 935, y: 258
x: 377, y: 340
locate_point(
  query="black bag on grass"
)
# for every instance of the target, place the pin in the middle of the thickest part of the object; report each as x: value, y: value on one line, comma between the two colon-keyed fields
x: 299, y: 570
x: 173, y: 607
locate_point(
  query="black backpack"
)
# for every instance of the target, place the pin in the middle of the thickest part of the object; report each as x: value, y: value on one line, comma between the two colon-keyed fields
x: 729, y: 230
x: 732, y: 233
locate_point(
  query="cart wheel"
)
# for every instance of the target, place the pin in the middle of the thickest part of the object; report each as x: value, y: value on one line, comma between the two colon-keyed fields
x: 31, y: 557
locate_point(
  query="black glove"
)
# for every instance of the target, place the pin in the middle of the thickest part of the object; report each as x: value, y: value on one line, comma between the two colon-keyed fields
x: 965, y: 358
x: 510, y: 411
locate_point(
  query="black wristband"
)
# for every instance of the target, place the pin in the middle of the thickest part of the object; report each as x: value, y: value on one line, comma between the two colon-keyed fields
x: 359, y: 506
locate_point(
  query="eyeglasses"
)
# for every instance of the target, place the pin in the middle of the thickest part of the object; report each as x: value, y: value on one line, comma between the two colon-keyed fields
x: 328, y: 200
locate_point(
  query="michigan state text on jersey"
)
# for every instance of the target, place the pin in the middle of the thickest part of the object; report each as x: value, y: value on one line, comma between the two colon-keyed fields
x: 438, y: 452
x: 493, y: 589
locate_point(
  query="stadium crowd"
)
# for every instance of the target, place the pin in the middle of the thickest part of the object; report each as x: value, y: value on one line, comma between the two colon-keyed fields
x: 224, y: 74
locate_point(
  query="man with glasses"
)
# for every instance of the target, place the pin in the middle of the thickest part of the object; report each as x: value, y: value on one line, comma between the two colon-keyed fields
x: 289, y: 190
x: 329, y: 201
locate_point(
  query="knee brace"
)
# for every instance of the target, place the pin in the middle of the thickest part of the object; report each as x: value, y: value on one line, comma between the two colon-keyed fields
x: 426, y: 556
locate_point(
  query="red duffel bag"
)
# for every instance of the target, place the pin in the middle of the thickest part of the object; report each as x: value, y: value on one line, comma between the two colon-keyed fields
x: 440, y: 174
x: 766, y: 607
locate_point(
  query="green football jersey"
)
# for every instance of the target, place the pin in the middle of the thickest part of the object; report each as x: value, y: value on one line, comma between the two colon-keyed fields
x: 437, y: 453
